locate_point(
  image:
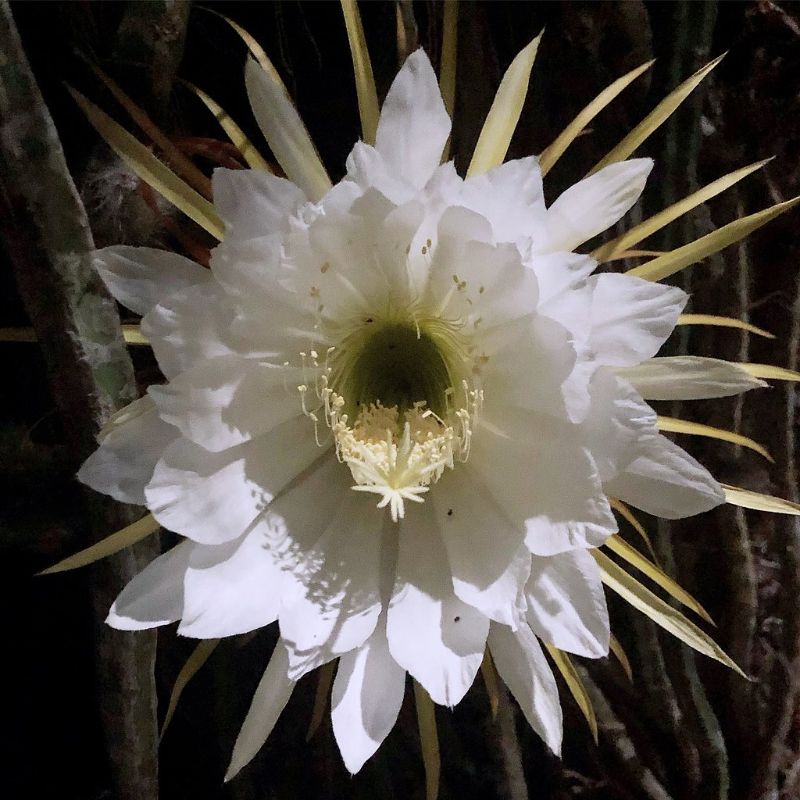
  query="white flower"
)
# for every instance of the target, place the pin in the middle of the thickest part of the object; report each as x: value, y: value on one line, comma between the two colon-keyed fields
x: 435, y: 345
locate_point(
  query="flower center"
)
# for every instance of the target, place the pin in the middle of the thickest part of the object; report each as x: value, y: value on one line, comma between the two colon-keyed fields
x: 396, y: 399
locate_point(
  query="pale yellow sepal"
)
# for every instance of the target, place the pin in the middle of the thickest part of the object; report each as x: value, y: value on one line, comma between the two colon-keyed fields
x: 672, y: 425
x: 640, y: 232
x: 575, y: 686
x: 150, y: 169
x: 429, y: 740
x: 199, y: 656
x: 619, y: 652
x: 722, y: 322
x: 758, y: 501
x: 180, y: 163
x: 663, y: 614
x: 666, y: 265
x: 321, y: 697
x: 653, y: 121
x: 362, y: 67
x: 770, y: 372
x: 625, y: 512
x: 123, y: 538
x: 491, y: 681
x: 555, y: 150
x: 501, y: 121
x: 237, y: 137
x: 131, y: 333
x: 630, y: 554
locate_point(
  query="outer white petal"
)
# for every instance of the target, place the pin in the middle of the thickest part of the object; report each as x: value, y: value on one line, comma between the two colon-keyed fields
x: 414, y: 123
x: 510, y: 196
x: 594, y: 204
x: 631, y: 317
x: 567, y: 604
x: 123, y: 464
x: 214, y: 497
x: 487, y: 556
x: 254, y: 203
x: 666, y: 481
x: 522, y: 665
x: 688, y: 378
x: 272, y: 695
x: 433, y: 634
x: 155, y: 596
x: 366, y: 699
x: 189, y: 327
x: 335, y: 602
x: 542, y: 477
x: 141, y: 277
x: 226, y: 401
x: 559, y: 274
x: 231, y: 588
x: 619, y: 420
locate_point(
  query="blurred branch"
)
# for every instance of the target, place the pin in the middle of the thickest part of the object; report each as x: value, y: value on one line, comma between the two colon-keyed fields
x: 76, y: 323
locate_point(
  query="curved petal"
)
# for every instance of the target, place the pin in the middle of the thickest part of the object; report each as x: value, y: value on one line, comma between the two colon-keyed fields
x: 189, y: 327
x: 594, y: 204
x: 567, y: 604
x: 225, y: 401
x: 214, y: 497
x: 230, y: 588
x: 631, y: 317
x: 432, y: 634
x: 335, y: 601
x: 123, y: 464
x: 487, y: 556
x: 522, y: 665
x: 542, y: 477
x: 141, y: 277
x: 665, y: 481
x: 155, y: 596
x: 254, y: 203
x: 414, y: 124
x: 366, y: 699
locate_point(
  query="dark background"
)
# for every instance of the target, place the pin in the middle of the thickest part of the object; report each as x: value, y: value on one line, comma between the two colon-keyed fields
x: 685, y: 728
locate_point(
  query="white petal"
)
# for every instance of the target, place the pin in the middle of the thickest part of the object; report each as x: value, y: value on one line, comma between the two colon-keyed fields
x: 485, y: 549
x: 155, y: 596
x: 521, y: 664
x: 558, y: 274
x: 214, y: 497
x: 666, y: 481
x: 688, y: 378
x: 272, y: 695
x: 123, y: 464
x: 226, y: 401
x: 189, y: 327
x: 618, y: 420
x: 594, y: 204
x: 567, y: 604
x: 542, y: 477
x: 433, y: 634
x: 631, y: 317
x: 414, y: 123
x: 509, y: 196
x: 336, y: 599
x: 231, y: 588
x: 366, y: 699
x: 141, y: 277
x: 284, y: 131
x: 254, y: 203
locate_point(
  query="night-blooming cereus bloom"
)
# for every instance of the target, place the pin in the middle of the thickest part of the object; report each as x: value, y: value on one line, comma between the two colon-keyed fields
x: 392, y: 420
